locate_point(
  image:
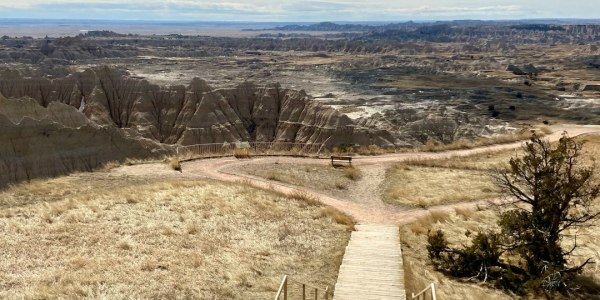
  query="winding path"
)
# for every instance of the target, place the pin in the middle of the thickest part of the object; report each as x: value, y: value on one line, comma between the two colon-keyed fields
x: 372, y: 264
x: 365, y: 207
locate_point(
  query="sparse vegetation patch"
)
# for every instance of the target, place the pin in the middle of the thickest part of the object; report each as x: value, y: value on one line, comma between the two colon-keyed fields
x: 242, y: 153
x: 318, y: 177
x: 416, y: 186
x: 174, y: 163
x: 115, y: 237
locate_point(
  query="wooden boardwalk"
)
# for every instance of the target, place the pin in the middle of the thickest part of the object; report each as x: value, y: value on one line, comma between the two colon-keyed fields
x: 372, y: 265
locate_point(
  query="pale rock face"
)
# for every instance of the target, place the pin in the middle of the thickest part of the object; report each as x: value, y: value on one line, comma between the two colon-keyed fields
x: 42, y: 142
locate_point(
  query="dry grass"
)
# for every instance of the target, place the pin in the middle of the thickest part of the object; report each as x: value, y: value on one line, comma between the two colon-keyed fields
x: 339, y: 217
x: 499, y: 159
x: 241, y: 153
x: 591, y: 148
x: 103, y: 236
x: 367, y: 150
x: 110, y: 165
x: 481, y: 142
x: 490, y: 161
x: 352, y: 173
x: 319, y: 177
x: 132, y: 162
x: 208, y: 151
x: 546, y: 130
x: 341, y: 186
x: 371, y: 150
x: 113, y: 164
x: 174, y: 163
x: 487, y: 161
x: 280, y: 176
x: 465, y: 213
x: 305, y: 197
x: 424, y: 186
x: 464, y: 177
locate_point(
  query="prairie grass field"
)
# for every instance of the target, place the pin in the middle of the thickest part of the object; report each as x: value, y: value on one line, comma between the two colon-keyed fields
x: 105, y: 236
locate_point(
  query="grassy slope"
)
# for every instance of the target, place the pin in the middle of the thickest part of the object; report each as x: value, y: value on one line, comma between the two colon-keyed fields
x: 320, y: 177
x: 116, y: 237
x: 430, y: 182
x: 414, y: 236
x: 415, y: 186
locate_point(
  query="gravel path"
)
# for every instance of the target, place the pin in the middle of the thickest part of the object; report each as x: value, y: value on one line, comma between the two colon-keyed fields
x: 365, y: 204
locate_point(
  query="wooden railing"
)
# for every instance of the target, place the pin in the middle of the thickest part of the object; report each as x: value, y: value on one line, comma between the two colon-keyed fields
x: 278, y: 147
x: 423, y: 293
x: 206, y: 150
x: 255, y: 148
x: 301, y: 290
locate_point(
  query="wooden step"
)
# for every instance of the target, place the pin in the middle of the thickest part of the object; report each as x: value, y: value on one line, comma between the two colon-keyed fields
x: 372, y: 265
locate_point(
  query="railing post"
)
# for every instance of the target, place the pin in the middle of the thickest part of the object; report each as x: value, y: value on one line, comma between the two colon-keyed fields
x: 282, y: 288
x: 316, y: 294
x: 303, y: 291
x: 433, y: 296
x: 326, y: 293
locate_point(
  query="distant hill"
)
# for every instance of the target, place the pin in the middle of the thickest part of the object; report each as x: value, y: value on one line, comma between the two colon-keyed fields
x: 330, y: 26
x: 326, y: 26
x: 103, y: 33
x: 539, y: 25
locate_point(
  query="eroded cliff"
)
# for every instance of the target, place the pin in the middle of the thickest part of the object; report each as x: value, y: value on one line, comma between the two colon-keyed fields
x: 37, y: 141
x: 197, y: 113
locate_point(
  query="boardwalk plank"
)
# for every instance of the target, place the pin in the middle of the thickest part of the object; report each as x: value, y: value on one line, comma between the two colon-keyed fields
x: 372, y: 265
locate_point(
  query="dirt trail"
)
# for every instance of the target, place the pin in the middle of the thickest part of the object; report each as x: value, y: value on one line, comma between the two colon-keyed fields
x: 365, y: 204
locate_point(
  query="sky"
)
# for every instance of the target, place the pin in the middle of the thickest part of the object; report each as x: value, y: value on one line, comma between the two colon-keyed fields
x: 299, y: 11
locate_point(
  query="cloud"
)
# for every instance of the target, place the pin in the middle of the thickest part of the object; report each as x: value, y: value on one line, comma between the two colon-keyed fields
x: 310, y: 10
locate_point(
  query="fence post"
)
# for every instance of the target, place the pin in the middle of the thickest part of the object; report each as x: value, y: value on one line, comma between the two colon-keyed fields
x: 285, y: 286
x: 433, y: 296
x: 316, y: 294
x: 303, y: 291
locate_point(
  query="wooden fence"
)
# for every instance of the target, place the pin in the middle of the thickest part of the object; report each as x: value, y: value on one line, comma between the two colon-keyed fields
x: 290, y: 289
x: 255, y: 149
x: 422, y: 295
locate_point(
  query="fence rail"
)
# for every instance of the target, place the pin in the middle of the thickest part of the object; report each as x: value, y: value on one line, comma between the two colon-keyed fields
x: 421, y: 295
x: 299, y: 290
x: 255, y: 148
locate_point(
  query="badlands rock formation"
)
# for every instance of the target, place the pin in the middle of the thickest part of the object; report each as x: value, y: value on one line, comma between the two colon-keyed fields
x: 52, y: 127
x: 37, y: 141
x: 195, y: 114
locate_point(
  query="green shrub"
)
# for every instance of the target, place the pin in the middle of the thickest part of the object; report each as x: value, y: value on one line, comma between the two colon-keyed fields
x: 548, y: 184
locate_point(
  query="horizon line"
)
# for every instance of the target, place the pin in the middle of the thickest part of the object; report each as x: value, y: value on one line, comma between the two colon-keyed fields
x: 302, y: 22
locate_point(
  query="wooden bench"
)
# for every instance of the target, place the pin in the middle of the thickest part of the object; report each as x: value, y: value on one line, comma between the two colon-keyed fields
x: 347, y: 159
